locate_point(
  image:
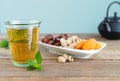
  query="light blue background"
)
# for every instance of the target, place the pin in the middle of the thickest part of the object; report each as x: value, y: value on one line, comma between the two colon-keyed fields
x: 58, y: 16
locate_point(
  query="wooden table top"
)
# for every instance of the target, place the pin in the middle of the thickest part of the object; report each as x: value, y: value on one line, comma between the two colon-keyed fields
x: 104, y: 66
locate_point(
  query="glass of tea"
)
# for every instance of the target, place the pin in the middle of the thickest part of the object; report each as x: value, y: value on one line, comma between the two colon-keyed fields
x: 23, y: 37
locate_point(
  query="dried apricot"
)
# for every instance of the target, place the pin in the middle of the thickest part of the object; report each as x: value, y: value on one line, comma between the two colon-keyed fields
x: 89, y: 44
x: 98, y: 45
x: 80, y: 44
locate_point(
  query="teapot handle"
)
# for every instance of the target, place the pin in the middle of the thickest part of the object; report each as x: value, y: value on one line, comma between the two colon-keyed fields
x: 107, y: 19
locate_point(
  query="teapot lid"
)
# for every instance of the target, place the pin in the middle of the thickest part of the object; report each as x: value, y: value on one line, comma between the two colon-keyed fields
x: 114, y: 18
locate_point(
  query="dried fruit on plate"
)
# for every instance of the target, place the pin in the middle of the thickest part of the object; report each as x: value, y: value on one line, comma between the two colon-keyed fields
x: 98, y: 45
x: 49, y: 39
x: 80, y: 44
x: 89, y: 44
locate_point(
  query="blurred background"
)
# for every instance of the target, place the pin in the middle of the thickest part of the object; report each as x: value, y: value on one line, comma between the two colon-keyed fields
x: 58, y: 16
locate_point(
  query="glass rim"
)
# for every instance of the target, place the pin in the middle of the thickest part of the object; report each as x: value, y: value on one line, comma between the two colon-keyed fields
x: 23, y: 22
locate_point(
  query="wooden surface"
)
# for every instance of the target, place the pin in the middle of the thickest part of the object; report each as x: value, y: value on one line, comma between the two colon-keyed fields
x: 104, y: 66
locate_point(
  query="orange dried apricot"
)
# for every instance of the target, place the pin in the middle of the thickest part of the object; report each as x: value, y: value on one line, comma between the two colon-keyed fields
x: 89, y: 44
x: 80, y: 44
x: 98, y: 45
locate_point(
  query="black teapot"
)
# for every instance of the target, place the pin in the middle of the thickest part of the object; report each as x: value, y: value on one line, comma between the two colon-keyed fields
x: 110, y: 26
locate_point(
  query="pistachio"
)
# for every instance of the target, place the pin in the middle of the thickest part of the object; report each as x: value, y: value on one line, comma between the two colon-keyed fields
x: 61, y: 59
x: 65, y: 56
x: 72, y: 45
x: 70, y: 59
x: 75, y: 38
x: 63, y: 42
x: 69, y: 41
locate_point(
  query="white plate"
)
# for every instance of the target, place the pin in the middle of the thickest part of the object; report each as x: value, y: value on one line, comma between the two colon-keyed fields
x: 74, y: 52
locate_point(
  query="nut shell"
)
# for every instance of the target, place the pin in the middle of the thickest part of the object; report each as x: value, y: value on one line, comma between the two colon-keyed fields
x: 63, y: 42
x: 69, y: 41
x: 70, y: 59
x: 65, y: 56
x: 61, y: 59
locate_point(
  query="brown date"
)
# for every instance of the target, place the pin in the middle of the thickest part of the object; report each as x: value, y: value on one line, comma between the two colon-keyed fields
x: 51, y: 42
x: 45, y: 40
x: 49, y: 39
x: 57, y: 43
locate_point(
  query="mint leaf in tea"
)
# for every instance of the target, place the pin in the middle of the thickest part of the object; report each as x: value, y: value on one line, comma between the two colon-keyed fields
x: 23, y: 43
